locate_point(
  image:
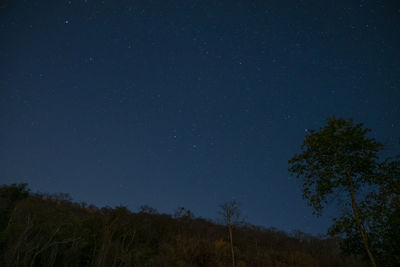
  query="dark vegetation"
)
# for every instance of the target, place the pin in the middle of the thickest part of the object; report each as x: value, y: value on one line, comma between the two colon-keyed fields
x: 340, y: 161
x: 50, y: 230
x: 337, y: 162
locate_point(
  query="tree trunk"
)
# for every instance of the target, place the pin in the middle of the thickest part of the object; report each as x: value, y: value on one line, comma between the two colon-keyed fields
x: 231, y: 241
x: 360, y: 226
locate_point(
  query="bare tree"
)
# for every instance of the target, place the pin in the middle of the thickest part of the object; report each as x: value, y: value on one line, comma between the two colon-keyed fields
x: 230, y: 213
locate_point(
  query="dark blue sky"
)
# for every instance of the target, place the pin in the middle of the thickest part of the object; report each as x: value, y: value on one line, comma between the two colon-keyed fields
x: 189, y: 103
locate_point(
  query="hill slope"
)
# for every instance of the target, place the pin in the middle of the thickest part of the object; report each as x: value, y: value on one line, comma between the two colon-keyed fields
x: 51, y: 230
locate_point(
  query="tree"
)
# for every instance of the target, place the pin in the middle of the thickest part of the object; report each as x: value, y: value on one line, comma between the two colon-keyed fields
x: 230, y: 213
x: 339, y: 158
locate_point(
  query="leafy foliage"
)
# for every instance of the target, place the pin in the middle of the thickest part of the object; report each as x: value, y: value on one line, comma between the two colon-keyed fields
x: 336, y: 158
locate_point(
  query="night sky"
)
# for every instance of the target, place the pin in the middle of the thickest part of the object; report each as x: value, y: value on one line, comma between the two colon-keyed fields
x: 189, y: 103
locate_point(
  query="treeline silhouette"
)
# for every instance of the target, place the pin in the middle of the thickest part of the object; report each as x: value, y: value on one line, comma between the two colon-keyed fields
x: 51, y: 230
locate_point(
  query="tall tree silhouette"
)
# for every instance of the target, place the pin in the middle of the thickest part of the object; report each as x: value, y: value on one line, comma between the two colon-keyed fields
x: 338, y: 158
x: 230, y: 213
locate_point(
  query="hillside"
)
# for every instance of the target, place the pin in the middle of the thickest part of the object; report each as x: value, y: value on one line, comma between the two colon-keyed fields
x: 51, y: 230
